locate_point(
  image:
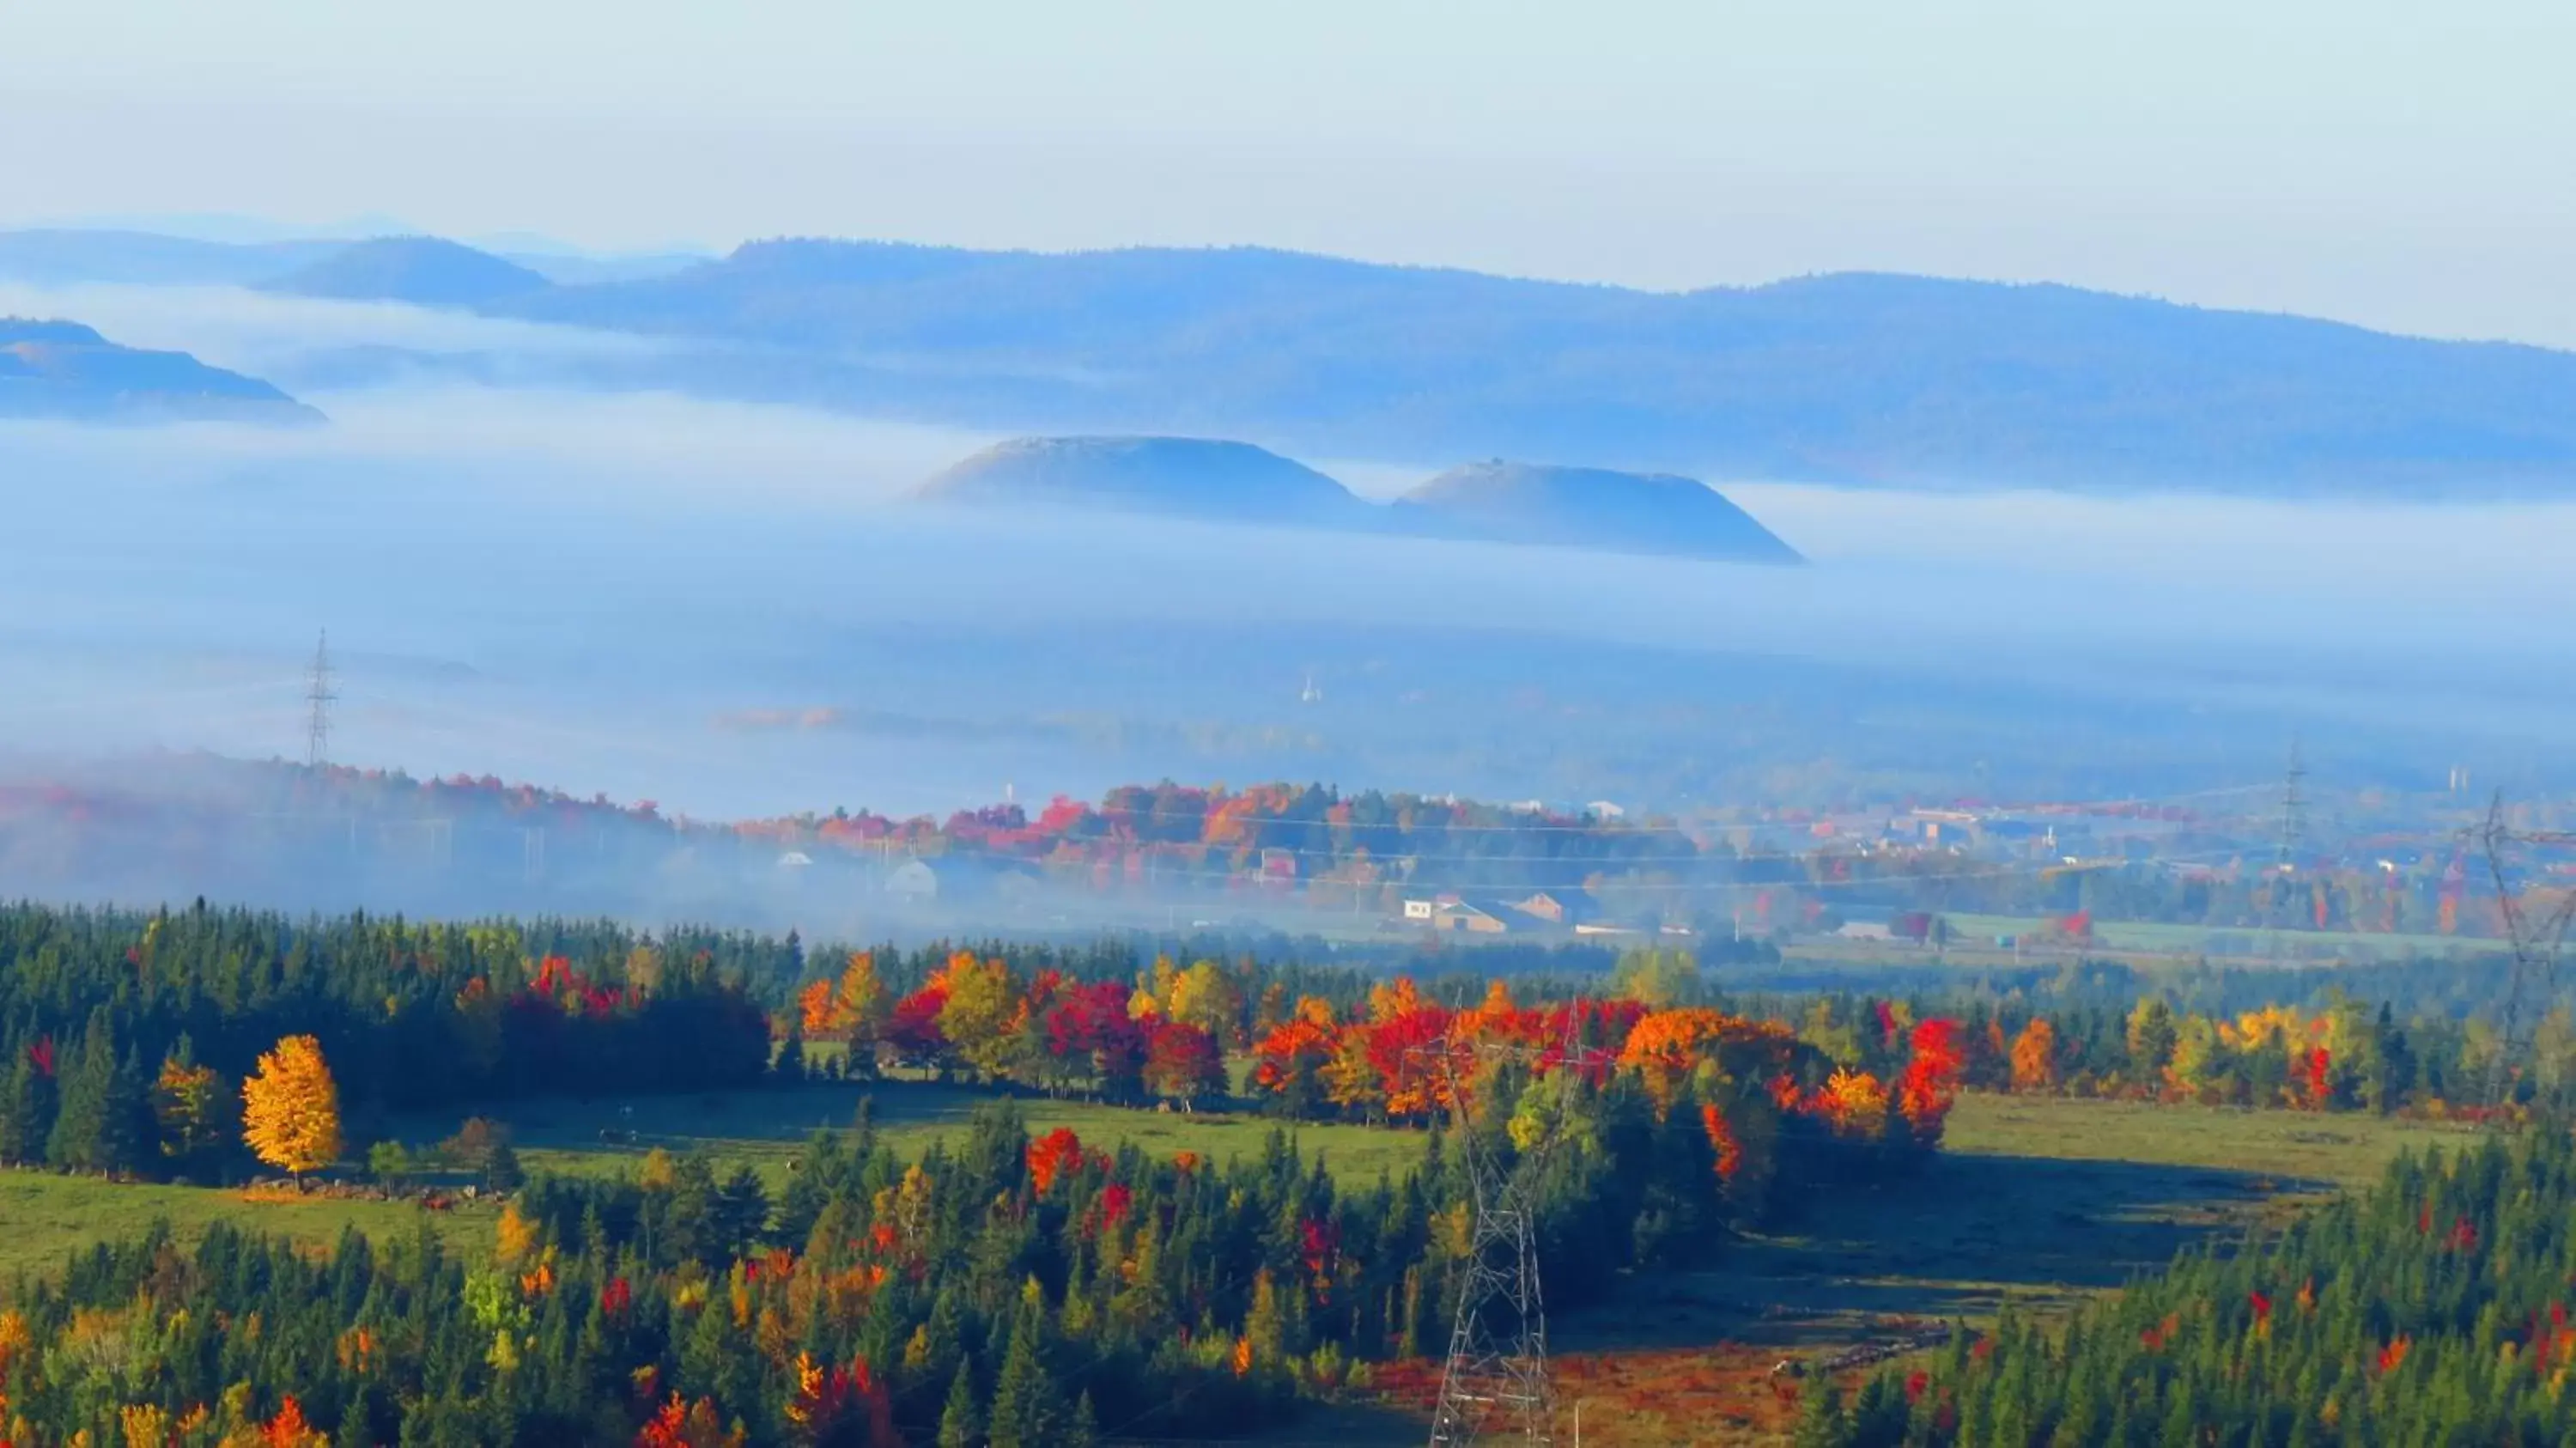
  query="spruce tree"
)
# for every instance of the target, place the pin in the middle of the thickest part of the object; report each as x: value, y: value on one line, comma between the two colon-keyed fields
x: 26, y: 1117
x: 1028, y: 1410
x: 1821, y: 1425
x: 90, y: 1130
x: 1084, y: 1430
x: 789, y: 1069
x: 960, y: 1426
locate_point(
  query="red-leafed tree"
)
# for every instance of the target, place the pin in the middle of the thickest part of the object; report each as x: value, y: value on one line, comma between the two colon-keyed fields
x: 1088, y: 1026
x: 1053, y: 1155
x: 913, y: 1028
x: 1929, y: 1086
x: 1183, y: 1063
x: 1415, y: 1058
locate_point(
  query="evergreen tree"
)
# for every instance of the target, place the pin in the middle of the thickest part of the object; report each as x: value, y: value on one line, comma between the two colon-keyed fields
x: 790, y: 1067
x: 501, y: 1169
x: 98, y: 1126
x: 960, y: 1426
x: 1820, y: 1424
x: 1028, y: 1409
x: 1084, y: 1430
x: 26, y: 1110
x: 741, y: 1211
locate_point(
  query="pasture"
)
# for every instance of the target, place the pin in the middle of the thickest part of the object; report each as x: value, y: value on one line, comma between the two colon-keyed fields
x: 764, y: 1129
x: 2033, y: 1204
x: 45, y: 1217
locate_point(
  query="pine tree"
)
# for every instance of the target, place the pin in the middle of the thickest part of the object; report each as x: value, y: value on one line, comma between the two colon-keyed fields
x: 26, y: 1110
x: 1821, y: 1425
x: 960, y: 1426
x: 790, y: 1067
x: 97, y: 1128
x: 1028, y: 1410
x: 1084, y: 1430
x: 501, y: 1169
x: 742, y: 1211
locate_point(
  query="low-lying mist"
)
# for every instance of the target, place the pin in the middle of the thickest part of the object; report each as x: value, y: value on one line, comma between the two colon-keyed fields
x: 719, y: 607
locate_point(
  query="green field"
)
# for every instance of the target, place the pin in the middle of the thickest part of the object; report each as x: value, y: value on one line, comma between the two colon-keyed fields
x: 44, y: 1217
x: 2033, y: 1202
x: 766, y: 1128
x: 2177, y: 939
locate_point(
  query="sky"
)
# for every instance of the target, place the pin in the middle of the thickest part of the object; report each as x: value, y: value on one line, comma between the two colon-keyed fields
x: 2400, y: 165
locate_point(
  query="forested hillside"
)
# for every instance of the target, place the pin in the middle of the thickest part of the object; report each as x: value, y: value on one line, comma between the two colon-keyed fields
x: 2432, y: 1310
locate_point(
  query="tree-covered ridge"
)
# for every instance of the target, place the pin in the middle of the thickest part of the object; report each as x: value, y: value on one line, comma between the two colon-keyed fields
x: 2434, y: 1309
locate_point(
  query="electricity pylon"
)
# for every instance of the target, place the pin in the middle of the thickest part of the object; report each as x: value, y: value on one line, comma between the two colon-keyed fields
x: 2535, y: 943
x: 1495, y: 1387
x: 318, y: 698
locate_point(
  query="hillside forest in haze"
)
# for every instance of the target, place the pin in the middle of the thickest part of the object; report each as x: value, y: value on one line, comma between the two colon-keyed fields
x: 1879, y: 380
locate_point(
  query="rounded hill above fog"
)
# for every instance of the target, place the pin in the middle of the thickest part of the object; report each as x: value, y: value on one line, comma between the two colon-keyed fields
x: 1508, y: 502
x: 1175, y: 477
x: 422, y: 270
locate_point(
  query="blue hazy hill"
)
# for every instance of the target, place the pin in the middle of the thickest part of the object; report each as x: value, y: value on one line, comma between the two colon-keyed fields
x: 422, y: 270
x: 1856, y: 378
x: 1510, y: 502
x: 1865, y: 379
x: 63, y: 257
x: 1173, y: 477
x: 66, y: 370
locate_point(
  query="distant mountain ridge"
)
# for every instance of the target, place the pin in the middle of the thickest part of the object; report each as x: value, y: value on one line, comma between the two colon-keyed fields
x: 1497, y: 502
x: 66, y: 370
x: 1856, y: 378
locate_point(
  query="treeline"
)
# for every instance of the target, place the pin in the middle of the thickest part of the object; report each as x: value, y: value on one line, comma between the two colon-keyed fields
x: 1394, y: 1054
x: 2433, y: 1309
x: 107, y: 1018
x: 1015, y: 1292
x: 2340, y: 1053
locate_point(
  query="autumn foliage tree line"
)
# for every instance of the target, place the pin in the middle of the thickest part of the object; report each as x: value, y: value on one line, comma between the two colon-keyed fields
x: 124, y: 1037
x: 2432, y: 1309
x: 2338, y: 1054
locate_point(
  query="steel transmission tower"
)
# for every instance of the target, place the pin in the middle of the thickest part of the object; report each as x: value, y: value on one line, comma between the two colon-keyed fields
x: 318, y: 698
x: 1495, y: 1386
x: 2535, y: 943
x: 2294, y: 811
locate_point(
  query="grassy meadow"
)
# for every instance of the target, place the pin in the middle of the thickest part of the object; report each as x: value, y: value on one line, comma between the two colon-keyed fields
x: 45, y: 1217
x: 2033, y: 1204
x: 764, y: 1129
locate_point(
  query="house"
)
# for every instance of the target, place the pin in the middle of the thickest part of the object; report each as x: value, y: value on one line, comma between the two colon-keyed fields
x: 1451, y: 911
x: 1558, y: 907
x: 1471, y: 919
x: 1865, y: 930
x: 945, y: 879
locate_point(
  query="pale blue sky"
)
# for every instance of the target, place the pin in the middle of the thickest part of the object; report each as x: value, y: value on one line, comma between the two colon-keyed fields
x: 2403, y: 165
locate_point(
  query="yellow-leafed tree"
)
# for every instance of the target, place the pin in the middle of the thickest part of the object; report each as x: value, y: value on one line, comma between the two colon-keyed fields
x: 2034, y: 1057
x: 291, y: 1108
